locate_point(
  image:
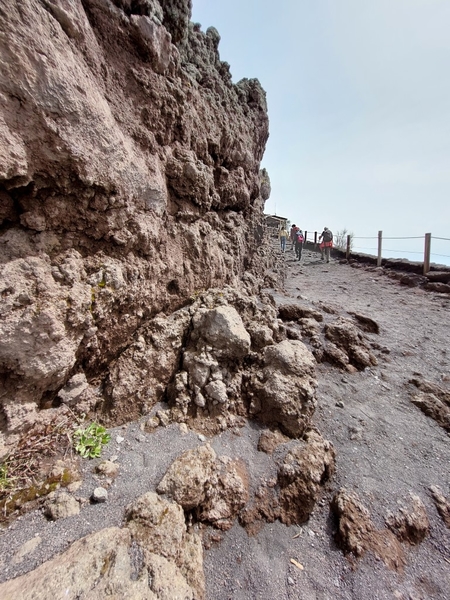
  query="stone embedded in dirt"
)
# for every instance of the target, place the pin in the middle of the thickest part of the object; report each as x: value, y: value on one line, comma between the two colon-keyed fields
x: 217, y: 488
x: 442, y: 504
x: 334, y: 355
x: 410, y: 525
x: 413, y: 280
x: 435, y: 286
x: 185, y: 480
x: 300, y: 477
x: 108, y: 468
x: 207, y: 390
x: 223, y: 329
x: 60, y: 506
x: 73, y: 389
x: 309, y: 327
x: 348, y: 338
x: 433, y: 407
x: 269, y: 440
x: 356, y: 533
x: 159, y: 527
x: 366, y: 323
x: 226, y: 494
x: 433, y: 400
x: 294, y: 312
x: 292, y: 498
x: 25, y: 549
x: 260, y: 335
x: 263, y: 508
x: 99, y: 495
x: 438, y: 276
x: 101, y: 565
x: 283, y: 390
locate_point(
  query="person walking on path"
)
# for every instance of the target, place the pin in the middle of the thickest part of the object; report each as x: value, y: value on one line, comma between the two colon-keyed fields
x: 283, y: 235
x: 299, y: 239
x: 325, y: 243
x: 292, y: 235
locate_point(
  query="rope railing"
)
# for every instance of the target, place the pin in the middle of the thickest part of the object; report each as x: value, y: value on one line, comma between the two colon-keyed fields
x: 379, y: 249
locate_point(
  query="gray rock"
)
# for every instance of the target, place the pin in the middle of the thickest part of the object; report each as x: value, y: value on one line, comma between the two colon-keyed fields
x: 99, y: 495
x: 61, y: 506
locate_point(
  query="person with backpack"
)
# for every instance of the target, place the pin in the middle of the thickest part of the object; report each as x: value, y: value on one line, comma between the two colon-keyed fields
x: 299, y: 239
x: 283, y: 234
x: 292, y: 235
x: 325, y: 243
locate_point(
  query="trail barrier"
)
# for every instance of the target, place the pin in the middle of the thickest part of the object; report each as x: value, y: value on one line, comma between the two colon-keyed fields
x: 427, y: 238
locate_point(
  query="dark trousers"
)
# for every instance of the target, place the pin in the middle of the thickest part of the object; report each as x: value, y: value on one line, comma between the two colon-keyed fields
x: 298, y: 249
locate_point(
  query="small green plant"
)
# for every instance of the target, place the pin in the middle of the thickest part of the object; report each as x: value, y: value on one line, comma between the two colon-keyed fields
x: 89, y: 441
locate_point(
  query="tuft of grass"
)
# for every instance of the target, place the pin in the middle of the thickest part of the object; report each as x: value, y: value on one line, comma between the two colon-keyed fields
x: 89, y: 441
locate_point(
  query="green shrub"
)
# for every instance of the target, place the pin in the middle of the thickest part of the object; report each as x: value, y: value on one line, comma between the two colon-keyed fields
x: 89, y: 441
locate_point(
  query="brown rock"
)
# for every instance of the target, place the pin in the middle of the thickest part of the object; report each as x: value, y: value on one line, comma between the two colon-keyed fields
x: 284, y: 390
x: 301, y: 475
x: 226, y: 494
x: 346, y: 336
x: 442, y: 504
x: 357, y: 534
x: 185, y: 480
x: 294, y: 312
x: 269, y: 440
x: 410, y: 525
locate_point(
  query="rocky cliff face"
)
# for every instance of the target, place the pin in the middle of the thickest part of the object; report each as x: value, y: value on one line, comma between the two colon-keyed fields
x: 129, y: 180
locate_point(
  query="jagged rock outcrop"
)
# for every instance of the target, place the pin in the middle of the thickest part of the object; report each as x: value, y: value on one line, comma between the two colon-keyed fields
x: 216, y: 487
x: 129, y: 179
x: 291, y: 497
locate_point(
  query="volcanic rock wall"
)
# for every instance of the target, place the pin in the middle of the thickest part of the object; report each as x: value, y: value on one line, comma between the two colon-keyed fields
x: 129, y: 180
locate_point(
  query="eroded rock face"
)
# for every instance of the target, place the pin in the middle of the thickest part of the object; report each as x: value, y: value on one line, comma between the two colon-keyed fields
x: 129, y: 178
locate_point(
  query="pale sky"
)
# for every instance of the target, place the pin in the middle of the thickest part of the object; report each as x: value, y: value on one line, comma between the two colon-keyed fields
x: 359, y: 110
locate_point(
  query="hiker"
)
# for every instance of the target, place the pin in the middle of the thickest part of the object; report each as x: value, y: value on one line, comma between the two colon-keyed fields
x: 283, y: 234
x: 326, y: 244
x: 299, y: 239
x: 292, y: 235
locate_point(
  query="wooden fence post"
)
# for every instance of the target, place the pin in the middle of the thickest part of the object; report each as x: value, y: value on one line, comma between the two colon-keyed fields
x: 315, y: 238
x: 427, y: 253
x: 306, y: 236
x: 380, y: 242
x: 349, y: 244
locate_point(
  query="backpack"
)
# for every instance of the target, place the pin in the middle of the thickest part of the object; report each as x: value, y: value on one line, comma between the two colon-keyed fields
x: 327, y: 236
x: 300, y: 238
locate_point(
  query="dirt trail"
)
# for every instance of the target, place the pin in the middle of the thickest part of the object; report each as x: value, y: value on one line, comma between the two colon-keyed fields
x: 386, y: 449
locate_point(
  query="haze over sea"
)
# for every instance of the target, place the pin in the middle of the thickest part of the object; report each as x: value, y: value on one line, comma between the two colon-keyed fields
x: 359, y: 108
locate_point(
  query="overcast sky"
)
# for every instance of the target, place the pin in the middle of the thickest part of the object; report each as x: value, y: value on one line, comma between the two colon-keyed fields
x: 359, y: 108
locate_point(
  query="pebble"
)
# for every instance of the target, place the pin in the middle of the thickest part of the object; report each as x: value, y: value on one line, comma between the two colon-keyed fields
x: 99, y: 495
x: 340, y: 404
x: 119, y: 439
x: 290, y: 581
x: 201, y: 437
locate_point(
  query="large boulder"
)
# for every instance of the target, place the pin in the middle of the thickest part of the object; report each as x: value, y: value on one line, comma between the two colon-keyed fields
x: 282, y: 391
